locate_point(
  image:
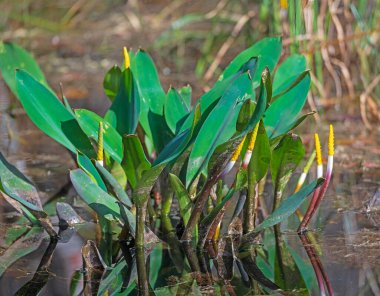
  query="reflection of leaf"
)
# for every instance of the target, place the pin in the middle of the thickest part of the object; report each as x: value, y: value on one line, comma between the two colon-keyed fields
x: 41, y: 276
x: 21, y: 247
x: 18, y: 187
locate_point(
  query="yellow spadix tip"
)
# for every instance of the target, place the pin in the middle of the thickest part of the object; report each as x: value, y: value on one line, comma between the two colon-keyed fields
x: 331, y: 140
x: 127, y: 61
x: 318, y: 149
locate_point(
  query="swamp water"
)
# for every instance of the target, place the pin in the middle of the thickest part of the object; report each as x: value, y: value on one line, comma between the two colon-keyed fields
x: 344, y: 236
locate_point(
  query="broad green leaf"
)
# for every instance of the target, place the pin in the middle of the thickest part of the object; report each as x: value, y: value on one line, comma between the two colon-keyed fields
x: 261, y: 154
x: 268, y: 50
x: 134, y: 161
x: 14, y: 57
x: 219, y: 126
x: 282, y: 113
x: 49, y: 115
x: 116, y: 187
x: 175, y: 111
x: 285, y: 158
x: 287, y: 207
x: 184, y: 201
x: 155, y: 263
x: 112, y: 141
x: 111, y: 82
x: 224, y: 152
x: 210, y: 98
x: 245, y: 115
x: 125, y: 109
x: 292, y: 67
x: 185, y: 93
x: 100, y: 201
x: 85, y: 164
x: 179, y: 144
x: 118, y: 173
x: 152, y: 99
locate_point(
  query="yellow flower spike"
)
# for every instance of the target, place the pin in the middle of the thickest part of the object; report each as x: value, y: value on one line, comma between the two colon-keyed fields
x: 236, y: 154
x: 331, y: 140
x: 252, y: 141
x: 127, y: 61
x: 284, y: 4
x: 99, y: 156
x: 318, y: 149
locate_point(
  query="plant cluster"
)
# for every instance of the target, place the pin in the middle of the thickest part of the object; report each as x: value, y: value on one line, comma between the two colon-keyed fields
x: 153, y: 152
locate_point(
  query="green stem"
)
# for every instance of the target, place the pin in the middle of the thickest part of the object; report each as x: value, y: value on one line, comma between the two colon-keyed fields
x: 250, y: 202
x: 197, y: 211
x: 140, y: 225
x: 143, y: 286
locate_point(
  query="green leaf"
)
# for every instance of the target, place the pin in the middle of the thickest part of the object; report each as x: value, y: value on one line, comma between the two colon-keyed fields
x: 111, y: 82
x: 116, y: 187
x: 14, y: 57
x: 292, y: 67
x: 261, y: 154
x: 179, y: 144
x: 85, y: 164
x: 184, y: 201
x: 100, y: 201
x: 185, y: 93
x: 145, y: 184
x: 282, y: 113
x: 285, y: 158
x: 210, y: 98
x: 219, y: 126
x: 49, y: 115
x: 288, y: 206
x: 268, y: 50
x: 134, y: 162
x: 152, y: 99
x: 155, y: 264
x: 112, y: 141
x: 125, y: 110
x: 245, y: 115
x: 176, y: 110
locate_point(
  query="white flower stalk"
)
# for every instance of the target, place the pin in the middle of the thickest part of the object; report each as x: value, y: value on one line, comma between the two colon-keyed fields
x: 314, y: 200
x: 251, y: 146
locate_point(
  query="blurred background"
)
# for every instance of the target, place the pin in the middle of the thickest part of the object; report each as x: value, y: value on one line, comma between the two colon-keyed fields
x: 77, y: 41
